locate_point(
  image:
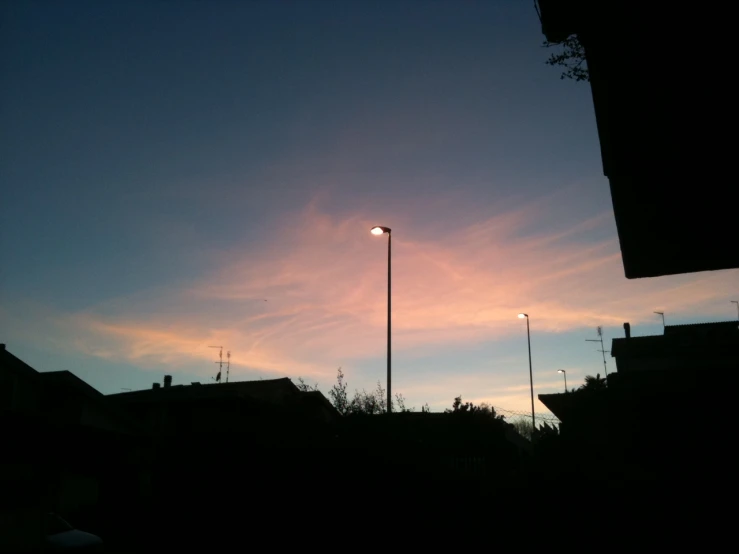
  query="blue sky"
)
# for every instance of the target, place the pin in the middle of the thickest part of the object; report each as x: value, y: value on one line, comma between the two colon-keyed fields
x: 166, y: 167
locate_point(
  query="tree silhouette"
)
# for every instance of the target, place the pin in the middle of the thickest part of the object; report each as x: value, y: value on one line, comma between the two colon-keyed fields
x: 524, y: 428
x: 571, y: 57
x: 338, y: 395
x: 375, y: 402
x: 459, y: 407
x: 362, y: 403
x: 305, y: 387
x: 593, y: 383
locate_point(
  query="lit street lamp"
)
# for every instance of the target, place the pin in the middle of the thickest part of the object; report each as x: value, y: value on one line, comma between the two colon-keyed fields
x: 531, y: 373
x: 381, y: 231
x: 563, y: 372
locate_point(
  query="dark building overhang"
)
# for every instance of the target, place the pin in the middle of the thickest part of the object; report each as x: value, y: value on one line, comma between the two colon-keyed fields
x: 569, y: 405
x: 664, y: 112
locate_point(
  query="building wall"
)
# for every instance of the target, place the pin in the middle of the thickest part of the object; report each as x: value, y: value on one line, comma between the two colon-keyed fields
x: 666, y: 363
x: 18, y: 393
x: 95, y: 414
x: 77, y: 492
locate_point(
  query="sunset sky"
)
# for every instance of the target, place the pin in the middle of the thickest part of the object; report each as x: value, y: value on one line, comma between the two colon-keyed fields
x: 177, y: 175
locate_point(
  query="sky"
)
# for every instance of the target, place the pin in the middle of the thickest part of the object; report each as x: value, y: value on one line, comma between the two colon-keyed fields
x: 179, y: 175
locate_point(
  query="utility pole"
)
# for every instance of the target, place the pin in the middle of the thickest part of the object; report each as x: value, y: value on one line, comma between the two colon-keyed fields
x: 737, y: 308
x: 599, y: 330
x: 228, y: 364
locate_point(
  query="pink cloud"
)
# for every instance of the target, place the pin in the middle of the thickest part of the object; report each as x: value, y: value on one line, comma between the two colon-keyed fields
x: 324, y: 278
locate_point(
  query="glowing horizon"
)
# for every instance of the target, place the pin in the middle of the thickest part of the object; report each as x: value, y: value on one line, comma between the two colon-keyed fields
x: 213, y: 182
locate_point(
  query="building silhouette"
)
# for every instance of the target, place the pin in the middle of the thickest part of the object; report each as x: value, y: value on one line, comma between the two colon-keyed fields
x: 68, y: 451
x: 185, y: 409
x: 663, y: 113
x: 669, y: 403
x: 698, y: 346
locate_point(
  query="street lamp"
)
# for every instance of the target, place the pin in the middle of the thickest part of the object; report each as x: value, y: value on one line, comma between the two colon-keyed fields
x: 378, y: 230
x: 737, y: 308
x: 563, y: 372
x: 663, y: 319
x: 531, y: 373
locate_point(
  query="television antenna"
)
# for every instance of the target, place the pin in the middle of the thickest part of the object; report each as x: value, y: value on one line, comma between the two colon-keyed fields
x: 217, y: 378
x: 599, y: 330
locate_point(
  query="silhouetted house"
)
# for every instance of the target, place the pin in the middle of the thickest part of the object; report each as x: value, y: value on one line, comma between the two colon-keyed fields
x: 253, y: 424
x: 225, y: 443
x: 699, y: 346
x: 664, y: 115
x: 70, y: 450
x: 57, y: 397
x: 671, y: 398
x: 256, y: 407
x: 68, y: 400
x: 20, y: 385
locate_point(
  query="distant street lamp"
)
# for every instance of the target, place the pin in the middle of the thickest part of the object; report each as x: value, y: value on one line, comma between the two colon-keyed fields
x: 563, y: 372
x: 531, y: 372
x: 737, y: 308
x: 381, y: 231
x: 663, y: 319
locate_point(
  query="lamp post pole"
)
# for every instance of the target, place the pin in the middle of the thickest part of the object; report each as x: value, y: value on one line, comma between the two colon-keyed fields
x: 389, y: 281
x: 381, y: 231
x: 531, y: 372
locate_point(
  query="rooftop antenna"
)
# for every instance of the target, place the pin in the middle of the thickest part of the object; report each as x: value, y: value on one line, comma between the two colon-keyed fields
x: 663, y: 319
x: 228, y: 364
x: 219, y: 362
x: 599, y: 330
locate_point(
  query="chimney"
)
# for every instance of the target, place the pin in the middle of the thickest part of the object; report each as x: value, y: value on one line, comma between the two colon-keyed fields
x: 156, y: 386
x: 167, y: 381
x: 627, y: 328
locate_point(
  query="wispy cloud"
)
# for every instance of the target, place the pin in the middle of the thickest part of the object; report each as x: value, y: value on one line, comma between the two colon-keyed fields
x: 313, y: 296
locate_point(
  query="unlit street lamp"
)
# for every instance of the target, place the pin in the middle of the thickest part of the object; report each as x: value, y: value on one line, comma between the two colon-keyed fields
x: 663, y: 319
x: 531, y: 373
x: 381, y: 231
